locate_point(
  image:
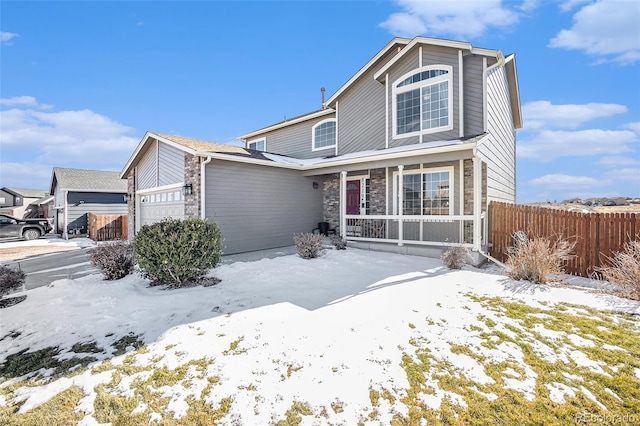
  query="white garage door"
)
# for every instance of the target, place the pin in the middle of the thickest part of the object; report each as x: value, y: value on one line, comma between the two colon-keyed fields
x: 159, y: 205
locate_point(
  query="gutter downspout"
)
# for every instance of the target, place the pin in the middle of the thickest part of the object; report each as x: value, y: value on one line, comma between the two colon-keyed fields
x: 203, y: 167
x: 65, y: 215
x: 477, y: 210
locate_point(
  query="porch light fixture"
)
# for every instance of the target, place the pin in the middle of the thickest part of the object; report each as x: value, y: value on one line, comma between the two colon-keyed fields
x: 187, y: 189
x: 315, y: 185
x: 127, y: 197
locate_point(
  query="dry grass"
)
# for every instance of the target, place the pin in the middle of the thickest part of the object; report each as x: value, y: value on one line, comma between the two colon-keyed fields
x: 456, y: 258
x: 535, y: 260
x: 625, y: 270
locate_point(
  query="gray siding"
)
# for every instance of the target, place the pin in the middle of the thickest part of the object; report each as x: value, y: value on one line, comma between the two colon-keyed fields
x: 160, y: 165
x: 148, y: 168
x: 473, y: 116
x: 170, y: 165
x: 295, y: 140
x: 361, y: 112
x: 431, y: 55
x: 95, y: 202
x: 260, y: 207
x: 499, y: 149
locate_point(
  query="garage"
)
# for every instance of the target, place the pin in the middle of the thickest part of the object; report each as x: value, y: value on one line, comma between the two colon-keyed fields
x: 159, y: 205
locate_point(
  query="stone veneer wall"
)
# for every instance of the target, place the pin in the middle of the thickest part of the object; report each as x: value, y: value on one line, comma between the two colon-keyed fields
x: 131, y: 204
x: 331, y: 196
x: 468, y: 186
x: 377, y: 191
x: 331, y: 200
x: 192, y: 176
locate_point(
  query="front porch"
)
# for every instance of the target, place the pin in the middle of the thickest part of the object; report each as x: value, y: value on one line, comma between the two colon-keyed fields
x: 422, y: 208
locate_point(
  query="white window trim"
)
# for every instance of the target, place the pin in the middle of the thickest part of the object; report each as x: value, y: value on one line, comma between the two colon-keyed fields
x: 313, y: 135
x: 363, y: 196
x: 429, y: 82
x: 452, y: 198
x: 255, y: 141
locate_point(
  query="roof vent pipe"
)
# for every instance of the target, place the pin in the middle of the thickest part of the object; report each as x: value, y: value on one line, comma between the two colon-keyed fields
x: 322, y: 89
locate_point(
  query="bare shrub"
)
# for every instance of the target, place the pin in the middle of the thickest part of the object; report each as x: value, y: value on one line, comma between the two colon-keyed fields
x: 625, y: 270
x: 456, y: 257
x: 11, y: 280
x: 339, y: 242
x: 308, y: 246
x: 114, y: 259
x: 535, y: 260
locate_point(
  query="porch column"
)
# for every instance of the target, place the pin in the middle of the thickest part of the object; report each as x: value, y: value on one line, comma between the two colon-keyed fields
x: 343, y: 204
x: 477, y: 204
x: 400, y: 204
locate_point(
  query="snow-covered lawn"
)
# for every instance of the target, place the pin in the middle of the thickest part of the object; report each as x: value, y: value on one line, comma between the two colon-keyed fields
x: 351, y: 337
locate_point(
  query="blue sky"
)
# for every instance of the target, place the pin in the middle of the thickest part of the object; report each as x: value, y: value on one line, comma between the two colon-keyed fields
x: 81, y: 82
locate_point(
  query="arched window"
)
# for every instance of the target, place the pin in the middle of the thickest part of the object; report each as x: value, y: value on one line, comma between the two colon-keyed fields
x: 423, y: 101
x: 324, y: 134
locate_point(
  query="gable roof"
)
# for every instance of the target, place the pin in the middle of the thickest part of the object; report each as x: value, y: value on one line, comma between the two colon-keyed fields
x: 185, y: 144
x: 289, y: 122
x: 86, y: 180
x: 462, y: 45
x: 25, y: 192
x: 393, y: 43
x: 514, y: 90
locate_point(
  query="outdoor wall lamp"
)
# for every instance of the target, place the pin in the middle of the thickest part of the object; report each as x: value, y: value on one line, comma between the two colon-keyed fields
x: 187, y: 189
x: 127, y: 197
x: 315, y: 185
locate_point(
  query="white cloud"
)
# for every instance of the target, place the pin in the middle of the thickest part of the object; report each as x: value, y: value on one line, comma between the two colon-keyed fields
x: 461, y: 19
x: 549, y: 144
x: 27, y: 101
x: 570, y: 4
x: 6, y: 37
x: 629, y: 178
x: 607, y: 29
x: 633, y: 126
x: 617, y: 161
x: 29, y: 174
x: 65, y: 137
x: 562, y: 181
x: 540, y: 114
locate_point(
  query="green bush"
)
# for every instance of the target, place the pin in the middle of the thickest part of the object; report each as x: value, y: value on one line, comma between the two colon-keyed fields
x: 115, y: 259
x: 11, y: 280
x: 174, y: 251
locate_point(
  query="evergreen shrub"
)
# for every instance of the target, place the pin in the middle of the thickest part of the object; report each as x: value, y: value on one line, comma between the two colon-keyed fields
x: 174, y: 251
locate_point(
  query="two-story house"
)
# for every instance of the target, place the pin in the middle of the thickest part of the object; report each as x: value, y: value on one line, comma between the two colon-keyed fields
x: 405, y: 156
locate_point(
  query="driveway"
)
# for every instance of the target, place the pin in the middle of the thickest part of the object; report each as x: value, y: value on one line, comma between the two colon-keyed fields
x: 48, y: 259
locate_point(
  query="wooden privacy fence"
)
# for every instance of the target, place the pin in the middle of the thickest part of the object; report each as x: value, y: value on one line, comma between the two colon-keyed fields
x: 107, y: 227
x: 597, y: 235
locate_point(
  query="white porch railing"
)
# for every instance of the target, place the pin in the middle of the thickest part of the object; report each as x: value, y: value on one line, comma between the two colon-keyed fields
x: 453, y: 230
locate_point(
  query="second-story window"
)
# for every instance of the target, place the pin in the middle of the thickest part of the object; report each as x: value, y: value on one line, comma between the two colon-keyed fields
x: 423, y: 101
x: 324, y: 134
x: 258, y: 144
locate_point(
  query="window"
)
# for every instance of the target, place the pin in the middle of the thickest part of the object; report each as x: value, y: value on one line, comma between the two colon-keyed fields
x: 423, y: 101
x: 426, y: 192
x: 258, y: 144
x: 324, y: 134
x: 3, y: 200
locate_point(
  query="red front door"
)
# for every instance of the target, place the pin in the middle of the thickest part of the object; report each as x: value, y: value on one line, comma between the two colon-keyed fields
x: 353, y: 197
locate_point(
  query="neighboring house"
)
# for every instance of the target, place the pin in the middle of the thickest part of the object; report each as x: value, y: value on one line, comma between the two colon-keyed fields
x: 15, y: 201
x: 77, y: 192
x: 405, y: 156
